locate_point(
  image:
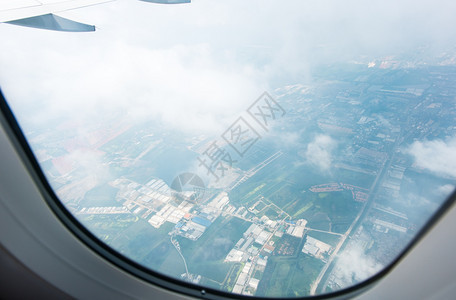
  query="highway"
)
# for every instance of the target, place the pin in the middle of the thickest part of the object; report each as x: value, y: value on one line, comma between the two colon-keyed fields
x: 358, y: 220
x: 177, y: 246
x: 255, y: 169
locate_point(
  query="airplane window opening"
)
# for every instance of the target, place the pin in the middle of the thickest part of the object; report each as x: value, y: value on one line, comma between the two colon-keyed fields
x: 285, y: 149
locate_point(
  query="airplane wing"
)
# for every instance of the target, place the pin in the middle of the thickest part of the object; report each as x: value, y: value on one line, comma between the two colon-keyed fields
x: 41, y: 14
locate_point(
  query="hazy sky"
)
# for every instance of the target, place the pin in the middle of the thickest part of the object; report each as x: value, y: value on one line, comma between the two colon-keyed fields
x: 196, y: 66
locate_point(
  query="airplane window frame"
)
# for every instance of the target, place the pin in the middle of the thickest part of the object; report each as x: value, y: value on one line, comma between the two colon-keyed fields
x: 103, y: 250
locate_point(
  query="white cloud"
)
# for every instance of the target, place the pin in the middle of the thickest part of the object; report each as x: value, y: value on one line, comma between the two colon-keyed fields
x: 183, y: 86
x: 416, y: 201
x: 354, y: 266
x: 445, y: 190
x: 196, y: 66
x: 436, y: 156
x: 319, y: 152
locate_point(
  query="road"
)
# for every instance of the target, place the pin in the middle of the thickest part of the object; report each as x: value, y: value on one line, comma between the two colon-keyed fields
x: 359, y: 218
x: 315, y: 284
x: 177, y: 246
x: 254, y: 170
x: 329, y: 232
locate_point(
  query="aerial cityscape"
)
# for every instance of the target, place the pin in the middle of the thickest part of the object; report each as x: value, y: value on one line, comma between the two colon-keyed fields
x: 316, y: 186
x: 260, y: 148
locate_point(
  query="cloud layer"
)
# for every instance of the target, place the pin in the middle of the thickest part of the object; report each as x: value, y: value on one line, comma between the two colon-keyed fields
x: 196, y: 66
x: 319, y: 152
x: 354, y: 266
x: 436, y: 156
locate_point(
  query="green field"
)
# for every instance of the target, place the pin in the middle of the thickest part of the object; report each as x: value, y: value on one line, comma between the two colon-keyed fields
x: 336, y: 211
x: 108, y: 227
x: 103, y: 195
x: 231, y: 280
x: 205, y: 256
x: 286, y: 186
x: 354, y: 178
x: 138, y: 240
x: 141, y: 239
x: 165, y: 259
x: 302, y: 210
x: 164, y: 161
x: 300, y: 271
